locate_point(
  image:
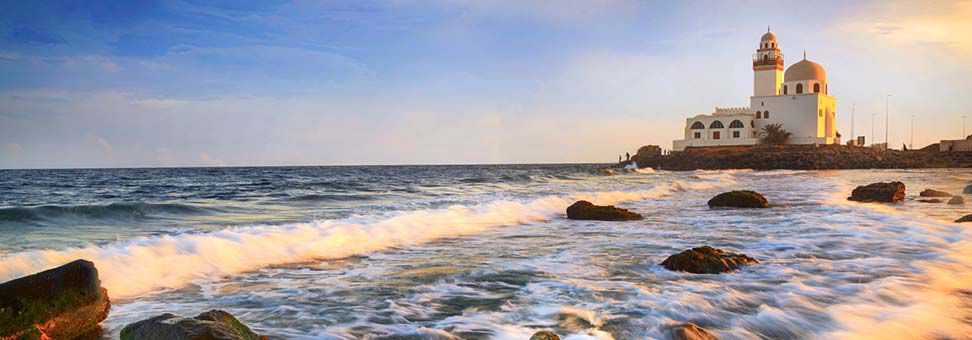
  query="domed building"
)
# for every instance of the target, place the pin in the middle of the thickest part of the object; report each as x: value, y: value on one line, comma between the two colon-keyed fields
x: 797, y: 99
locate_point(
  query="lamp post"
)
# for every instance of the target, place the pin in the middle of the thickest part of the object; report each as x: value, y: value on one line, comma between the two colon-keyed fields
x: 873, y: 138
x: 912, y: 144
x: 963, y: 128
x: 886, y: 121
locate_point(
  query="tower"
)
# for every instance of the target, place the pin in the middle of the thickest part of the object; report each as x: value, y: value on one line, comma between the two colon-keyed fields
x: 767, y: 67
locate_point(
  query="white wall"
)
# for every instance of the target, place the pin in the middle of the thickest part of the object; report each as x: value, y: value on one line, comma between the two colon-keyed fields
x: 800, y: 115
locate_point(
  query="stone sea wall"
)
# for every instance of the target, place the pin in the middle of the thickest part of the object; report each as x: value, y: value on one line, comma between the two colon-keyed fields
x: 799, y: 157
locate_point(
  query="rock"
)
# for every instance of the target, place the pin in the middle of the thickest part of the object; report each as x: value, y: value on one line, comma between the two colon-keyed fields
x: 584, y: 210
x: 930, y: 200
x: 968, y: 189
x: 966, y: 218
x: 739, y: 199
x: 690, y: 331
x: 879, y: 192
x: 957, y: 200
x: 60, y: 303
x: 211, y: 325
x: 707, y: 260
x: 544, y: 335
x: 934, y: 193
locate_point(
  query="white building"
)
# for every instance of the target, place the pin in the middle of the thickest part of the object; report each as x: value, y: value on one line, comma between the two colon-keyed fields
x: 797, y: 99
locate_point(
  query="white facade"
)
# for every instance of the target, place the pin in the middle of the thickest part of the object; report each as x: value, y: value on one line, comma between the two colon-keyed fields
x: 797, y: 99
x: 964, y: 145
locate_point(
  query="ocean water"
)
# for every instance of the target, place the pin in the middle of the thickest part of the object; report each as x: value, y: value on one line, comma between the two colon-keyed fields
x: 486, y: 252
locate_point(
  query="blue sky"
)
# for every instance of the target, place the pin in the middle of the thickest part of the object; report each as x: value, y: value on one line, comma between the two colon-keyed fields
x: 192, y: 83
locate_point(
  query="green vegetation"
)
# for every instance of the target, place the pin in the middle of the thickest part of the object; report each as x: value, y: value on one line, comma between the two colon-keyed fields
x: 774, y: 134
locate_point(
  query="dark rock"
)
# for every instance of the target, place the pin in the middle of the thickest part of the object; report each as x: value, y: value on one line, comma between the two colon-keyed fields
x: 957, y: 200
x: 963, y: 219
x: 934, y: 193
x: 61, y: 303
x: 879, y: 192
x: 690, y: 331
x: 211, y: 325
x: 544, y: 335
x: 739, y: 199
x: 968, y: 189
x: 930, y: 200
x: 584, y: 210
x: 707, y: 260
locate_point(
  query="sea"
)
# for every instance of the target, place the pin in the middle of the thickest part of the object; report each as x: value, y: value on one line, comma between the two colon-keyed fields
x: 486, y: 251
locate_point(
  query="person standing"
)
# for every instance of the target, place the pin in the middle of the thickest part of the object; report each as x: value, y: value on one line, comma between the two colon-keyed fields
x: 627, y: 156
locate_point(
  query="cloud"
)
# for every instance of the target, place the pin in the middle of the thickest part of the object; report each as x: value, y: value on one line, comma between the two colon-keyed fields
x: 100, y: 143
x: 208, y: 160
x: 947, y: 24
x: 11, y: 150
x: 160, y: 103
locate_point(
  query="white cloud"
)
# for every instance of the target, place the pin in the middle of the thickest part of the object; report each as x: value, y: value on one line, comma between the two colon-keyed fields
x: 208, y: 160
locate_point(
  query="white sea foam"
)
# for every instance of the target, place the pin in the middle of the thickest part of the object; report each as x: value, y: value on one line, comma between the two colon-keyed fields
x: 133, y: 267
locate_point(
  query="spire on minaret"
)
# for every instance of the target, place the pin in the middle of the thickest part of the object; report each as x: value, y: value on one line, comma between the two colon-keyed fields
x: 804, y: 54
x: 767, y: 29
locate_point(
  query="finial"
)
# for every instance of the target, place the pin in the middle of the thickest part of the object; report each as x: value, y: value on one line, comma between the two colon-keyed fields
x: 767, y: 29
x: 804, y: 54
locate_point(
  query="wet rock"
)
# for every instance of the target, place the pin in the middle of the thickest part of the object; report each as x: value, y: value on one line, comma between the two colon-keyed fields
x: 584, y: 210
x: 968, y: 189
x: 691, y: 331
x: 211, y: 325
x: 964, y: 219
x: 739, y: 199
x: 707, y: 260
x: 957, y: 200
x: 60, y: 303
x: 879, y: 192
x: 934, y: 193
x: 930, y: 200
x: 544, y: 335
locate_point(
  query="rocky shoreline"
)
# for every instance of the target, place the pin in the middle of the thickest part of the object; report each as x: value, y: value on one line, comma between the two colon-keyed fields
x: 795, y: 157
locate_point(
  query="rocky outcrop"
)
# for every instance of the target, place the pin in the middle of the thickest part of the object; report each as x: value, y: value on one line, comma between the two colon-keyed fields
x: 930, y: 200
x: 879, y: 192
x: 707, y: 260
x: 934, y: 193
x: 691, y: 331
x: 957, y: 200
x: 61, y: 303
x: 211, y: 325
x: 968, y: 189
x: 584, y: 210
x: 804, y: 157
x: 544, y: 335
x: 739, y: 199
x: 964, y: 219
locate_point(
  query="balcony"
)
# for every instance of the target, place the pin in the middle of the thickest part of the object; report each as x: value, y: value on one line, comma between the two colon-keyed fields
x: 778, y: 61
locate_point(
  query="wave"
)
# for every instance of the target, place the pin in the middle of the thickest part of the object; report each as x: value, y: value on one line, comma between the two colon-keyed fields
x: 101, y: 212
x: 140, y: 265
x: 331, y: 198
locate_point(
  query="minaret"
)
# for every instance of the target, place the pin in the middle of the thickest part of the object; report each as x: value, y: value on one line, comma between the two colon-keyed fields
x: 767, y: 67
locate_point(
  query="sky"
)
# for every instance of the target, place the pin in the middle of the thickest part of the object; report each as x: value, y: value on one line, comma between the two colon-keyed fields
x: 236, y: 83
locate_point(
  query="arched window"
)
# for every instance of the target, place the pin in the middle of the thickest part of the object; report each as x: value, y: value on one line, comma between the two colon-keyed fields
x: 759, y: 114
x: 736, y: 124
x: 766, y: 114
x: 784, y: 89
x: 698, y: 125
x: 799, y: 88
x: 716, y: 125
x: 816, y: 88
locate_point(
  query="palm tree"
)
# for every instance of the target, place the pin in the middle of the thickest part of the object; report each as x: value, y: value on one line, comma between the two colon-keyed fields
x: 774, y: 134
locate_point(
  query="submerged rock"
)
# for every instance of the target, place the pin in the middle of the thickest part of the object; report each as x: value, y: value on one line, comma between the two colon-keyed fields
x: 879, y: 192
x: 691, y: 331
x: 61, y: 303
x: 934, y: 193
x: 963, y: 219
x: 584, y: 210
x: 707, y: 260
x: 930, y: 200
x: 957, y: 200
x: 544, y: 335
x: 739, y: 199
x: 211, y: 325
x: 968, y: 189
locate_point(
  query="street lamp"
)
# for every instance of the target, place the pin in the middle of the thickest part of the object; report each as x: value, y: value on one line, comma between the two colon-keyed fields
x: 873, y: 138
x: 886, y: 120
x: 963, y: 128
x: 912, y: 146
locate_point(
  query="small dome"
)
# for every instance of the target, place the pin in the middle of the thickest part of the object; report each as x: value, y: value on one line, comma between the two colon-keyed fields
x: 805, y: 70
x: 768, y: 37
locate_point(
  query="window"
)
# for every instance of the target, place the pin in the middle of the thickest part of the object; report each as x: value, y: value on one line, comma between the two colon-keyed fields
x: 816, y: 88
x: 698, y: 125
x: 716, y: 125
x: 698, y: 135
x: 736, y: 124
x: 799, y: 88
x: 759, y: 114
x: 715, y: 135
x: 752, y: 124
x: 766, y: 114
x: 762, y: 103
x: 784, y: 89
x: 735, y: 134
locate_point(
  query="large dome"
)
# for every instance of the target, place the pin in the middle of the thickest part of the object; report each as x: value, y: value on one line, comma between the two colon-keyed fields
x: 768, y: 37
x: 805, y: 70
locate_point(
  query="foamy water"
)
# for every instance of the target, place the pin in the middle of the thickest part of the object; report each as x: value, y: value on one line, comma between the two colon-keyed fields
x: 485, y: 260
